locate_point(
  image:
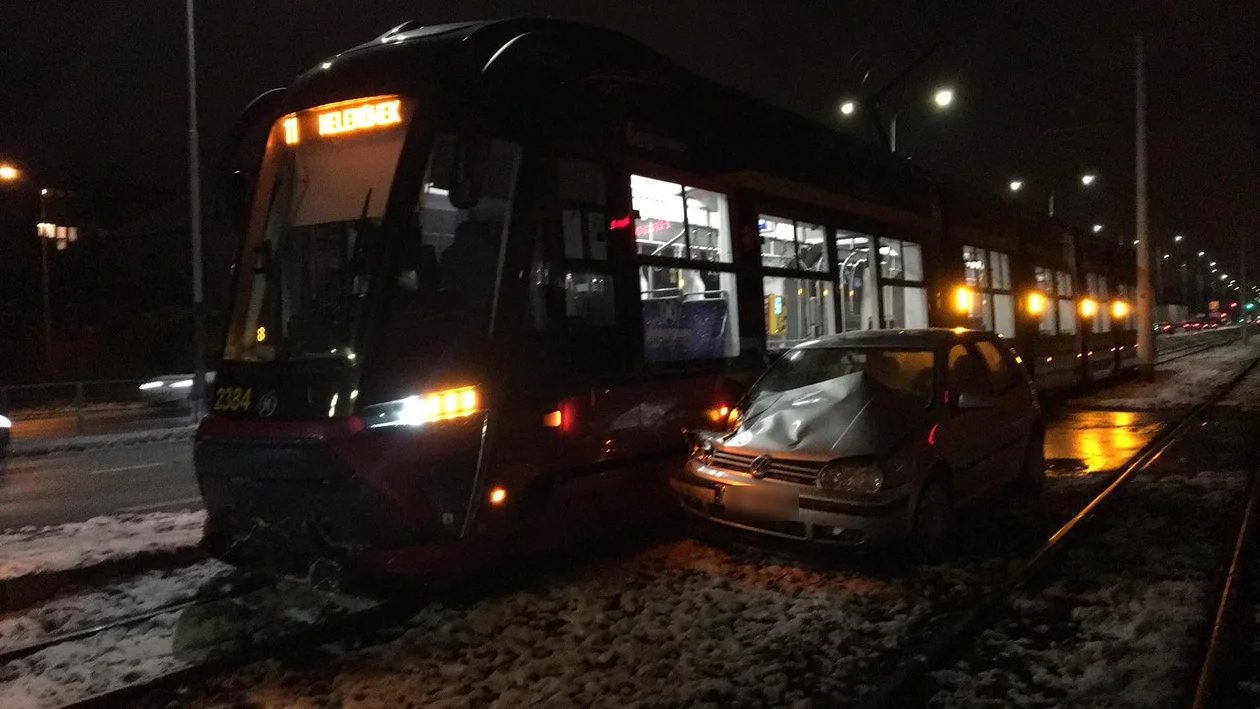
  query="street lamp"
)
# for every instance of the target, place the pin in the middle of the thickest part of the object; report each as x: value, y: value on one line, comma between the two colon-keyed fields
x: 1087, y: 179
x: 1098, y: 228
x: 943, y: 97
x: 1177, y: 238
x: 1016, y: 185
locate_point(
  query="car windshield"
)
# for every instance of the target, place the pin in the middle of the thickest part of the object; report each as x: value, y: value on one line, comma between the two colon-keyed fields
x: 312, y: 244
x: 905, y: 370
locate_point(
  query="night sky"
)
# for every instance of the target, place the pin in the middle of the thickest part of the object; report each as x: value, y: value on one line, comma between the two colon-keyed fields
x: 94, y: 91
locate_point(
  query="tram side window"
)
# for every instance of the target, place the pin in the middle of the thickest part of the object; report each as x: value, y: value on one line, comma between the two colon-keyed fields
x: 583, y: 221
x: 683, y: 240
x: 1067, y: 304
x: 857, y: 302
x: 1096, y: 287
x: 1045, y: 287
x: 901, y: 285
x: 797, y: 309
x: 1003, y: 298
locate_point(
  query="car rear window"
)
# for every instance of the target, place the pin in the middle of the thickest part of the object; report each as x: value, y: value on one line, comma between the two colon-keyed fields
x: 905, y: 370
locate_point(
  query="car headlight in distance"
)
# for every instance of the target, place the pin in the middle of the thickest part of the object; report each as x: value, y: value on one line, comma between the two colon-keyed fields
x: 5, y: 422
x: 425, y: 408
x: 152, y: 385
x: 857, y: 476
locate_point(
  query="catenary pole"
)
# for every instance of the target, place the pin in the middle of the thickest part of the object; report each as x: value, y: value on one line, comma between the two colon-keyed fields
x: 1146, y: 349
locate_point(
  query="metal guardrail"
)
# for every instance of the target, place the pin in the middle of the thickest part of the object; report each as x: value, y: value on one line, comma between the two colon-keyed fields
x: 60, y: 409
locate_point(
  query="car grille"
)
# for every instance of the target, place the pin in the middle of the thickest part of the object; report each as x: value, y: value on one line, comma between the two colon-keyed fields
x: 793, y: 471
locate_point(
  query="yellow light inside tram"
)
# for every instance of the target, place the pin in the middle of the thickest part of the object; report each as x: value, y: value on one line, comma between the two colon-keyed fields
x: 260, y: 334
x: 1119, y: 309
x: 1088, y: 307
x: 964, y: 299
x: 1036, y: 303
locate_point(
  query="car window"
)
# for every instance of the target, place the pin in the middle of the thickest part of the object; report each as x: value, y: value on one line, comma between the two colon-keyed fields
x: 1000, y: 372
x: 904, y: 370
x: 967, y: 372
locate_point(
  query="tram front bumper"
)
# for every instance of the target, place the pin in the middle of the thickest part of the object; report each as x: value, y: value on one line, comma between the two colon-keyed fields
x: 791, y: 511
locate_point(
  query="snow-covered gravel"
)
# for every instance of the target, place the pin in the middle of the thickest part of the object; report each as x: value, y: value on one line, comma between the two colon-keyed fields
x: 30, y: 550
x: 80, y: 608
x: 166, y: 643
x: 1120, y: 625
x: 1246, y: 395
x: 1182, y: 383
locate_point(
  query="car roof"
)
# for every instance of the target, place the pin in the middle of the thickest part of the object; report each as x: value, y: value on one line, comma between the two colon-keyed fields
x: 919, y: 338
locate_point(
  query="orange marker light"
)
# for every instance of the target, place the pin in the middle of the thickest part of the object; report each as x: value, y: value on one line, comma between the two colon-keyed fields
x: 1088, y: 307
x: 1119, y: 309
x: 290, y: 124
x: 498, y: 496
x: 1036, y: 303
x: 553, y: 419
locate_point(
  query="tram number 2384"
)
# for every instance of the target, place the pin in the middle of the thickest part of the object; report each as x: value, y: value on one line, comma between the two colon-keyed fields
x: 233, y: 398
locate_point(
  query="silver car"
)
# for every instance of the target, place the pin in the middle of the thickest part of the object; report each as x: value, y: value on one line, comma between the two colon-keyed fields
x: 871, y: 437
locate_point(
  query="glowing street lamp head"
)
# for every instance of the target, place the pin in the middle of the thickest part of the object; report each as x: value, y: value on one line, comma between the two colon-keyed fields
x: 8, y: 173
x: 1177, y: 238
x: 1088, y: 307
x: 1087, y: 179
x: 848, y: 108
x: 1098, y: 228
x: 1016, y: 185
x: 1212, y: 264
x: 943, y: 97
x: 1200, y: 254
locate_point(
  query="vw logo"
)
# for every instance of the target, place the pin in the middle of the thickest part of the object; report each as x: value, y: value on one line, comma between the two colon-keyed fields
x: 268, y: 403
x: 759, y: 466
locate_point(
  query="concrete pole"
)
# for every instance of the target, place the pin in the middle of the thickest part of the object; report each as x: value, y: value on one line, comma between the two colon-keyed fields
x: 43, y: 262
x: 194, y: 198
x: 1052, y: 204
x: 1242, y: 280
x: 892, y: 134
x: 1146, y: 347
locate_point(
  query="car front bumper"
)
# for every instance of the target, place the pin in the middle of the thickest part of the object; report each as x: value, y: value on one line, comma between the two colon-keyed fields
x: 793, y: 511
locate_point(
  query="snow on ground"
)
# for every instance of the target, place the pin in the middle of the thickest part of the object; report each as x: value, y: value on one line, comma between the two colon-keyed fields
x: 79, y: 608
x: 1246, y: 395
x: 30, y: 550
x: 1120, y: 625
x: 682, y: 624
x: 166, y: 643
x: 1182, y: 383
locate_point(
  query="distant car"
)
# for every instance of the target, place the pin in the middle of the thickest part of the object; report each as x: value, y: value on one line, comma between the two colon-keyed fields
x: 169, y: 388
x: 1166, y: 328
x: 6, y: 424
x: 1211, y: 324
x: 870, y: 437
x: 1191, y: 325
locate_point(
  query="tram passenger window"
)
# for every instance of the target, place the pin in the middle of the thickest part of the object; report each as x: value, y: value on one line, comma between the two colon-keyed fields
x: 1067, y: 304
x: 675, y: 221
x: 858, y: 306
x: 901, y: 260
x: 975, y: 270
x: 905, y: 307
x: 1001, y: 270
x: 786, y: 243
x: 797, y: 309
x: 688, y: 314
x: 1004, y: 314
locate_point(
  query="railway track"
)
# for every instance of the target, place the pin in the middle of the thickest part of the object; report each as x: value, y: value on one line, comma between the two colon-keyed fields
x: 910, y: 684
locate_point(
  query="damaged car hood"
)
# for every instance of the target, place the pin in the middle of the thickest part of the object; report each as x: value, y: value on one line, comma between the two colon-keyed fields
x: 852, y: 415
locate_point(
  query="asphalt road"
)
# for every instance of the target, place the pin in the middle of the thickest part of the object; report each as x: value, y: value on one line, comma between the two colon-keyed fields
x: 74, y: 487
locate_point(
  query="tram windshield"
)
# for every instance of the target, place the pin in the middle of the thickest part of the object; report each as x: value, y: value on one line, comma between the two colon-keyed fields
x: 312, y: 243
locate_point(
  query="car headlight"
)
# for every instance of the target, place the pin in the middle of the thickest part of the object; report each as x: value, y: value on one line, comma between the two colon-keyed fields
x: 423, y: 408
x: 5, y: 422
x: 864, y: 477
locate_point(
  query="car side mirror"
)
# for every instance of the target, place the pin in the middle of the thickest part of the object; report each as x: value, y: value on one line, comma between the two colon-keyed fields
x: 974, y: 400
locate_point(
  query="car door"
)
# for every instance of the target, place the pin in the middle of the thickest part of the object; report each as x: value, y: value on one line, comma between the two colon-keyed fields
x: 1013, y: 405
x: 965, y: 434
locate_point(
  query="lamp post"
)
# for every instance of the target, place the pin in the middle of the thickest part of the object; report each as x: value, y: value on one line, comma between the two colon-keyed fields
x: 194, y: 198
x: 43, y: 261
x: 942, y: 99
x: 1087, y: 179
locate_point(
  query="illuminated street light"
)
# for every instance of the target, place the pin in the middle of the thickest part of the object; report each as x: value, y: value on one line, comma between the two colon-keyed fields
x: 1087, y: 179
x: 1177, y: 238
x: 1224, y: 276
x: 1212, y: 263
x: 1098, y: 228
x: 1167, y: 255
x: 848, y: 108
x: 1200, y: 254
x: 1016, y: 185
x: 8, y: 173
x: 943, y: 97
x: 1135, y: 242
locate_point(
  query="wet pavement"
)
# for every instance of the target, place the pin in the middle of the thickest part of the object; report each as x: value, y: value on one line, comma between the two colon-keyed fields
x: 1098, y: 441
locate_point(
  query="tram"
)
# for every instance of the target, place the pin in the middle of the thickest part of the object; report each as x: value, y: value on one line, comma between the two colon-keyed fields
x: 489, y: 272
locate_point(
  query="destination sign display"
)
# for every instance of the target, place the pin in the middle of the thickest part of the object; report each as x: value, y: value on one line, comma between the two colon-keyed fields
x: 342, y: 118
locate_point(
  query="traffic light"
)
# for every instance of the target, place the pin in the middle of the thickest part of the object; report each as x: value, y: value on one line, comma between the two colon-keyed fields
x: 1249, y: 306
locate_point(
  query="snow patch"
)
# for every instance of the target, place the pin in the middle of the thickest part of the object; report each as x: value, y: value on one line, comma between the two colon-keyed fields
x: 31, y: 550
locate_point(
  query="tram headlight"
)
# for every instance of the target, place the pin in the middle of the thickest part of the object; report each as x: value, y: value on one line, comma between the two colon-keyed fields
x: 425, y: 408
x: 5, y: 422
x: 860, y: 476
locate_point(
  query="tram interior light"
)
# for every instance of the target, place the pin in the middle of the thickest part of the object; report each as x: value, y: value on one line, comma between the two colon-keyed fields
x: 964, y: 299
x: 1119, y: 309
x: 1036, y: 303
x: 1088, y: 307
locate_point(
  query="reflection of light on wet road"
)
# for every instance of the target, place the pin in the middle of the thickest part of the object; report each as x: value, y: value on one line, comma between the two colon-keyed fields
x: 1085, y: 442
